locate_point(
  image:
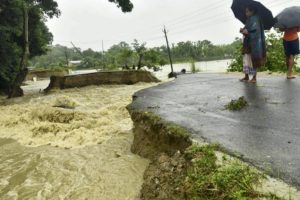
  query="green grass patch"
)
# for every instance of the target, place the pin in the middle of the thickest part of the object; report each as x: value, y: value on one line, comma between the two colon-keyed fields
x: 157, y: 124
x: 236, y: 105
x: 209, y: 181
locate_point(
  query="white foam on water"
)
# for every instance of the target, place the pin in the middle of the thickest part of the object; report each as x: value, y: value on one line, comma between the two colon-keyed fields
x: 78, y: 153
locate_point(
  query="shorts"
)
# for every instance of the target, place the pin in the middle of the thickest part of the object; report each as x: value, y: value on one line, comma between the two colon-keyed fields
x: 291, y: 47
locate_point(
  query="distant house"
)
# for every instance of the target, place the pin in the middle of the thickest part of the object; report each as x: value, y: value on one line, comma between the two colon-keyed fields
x: 74, y: 63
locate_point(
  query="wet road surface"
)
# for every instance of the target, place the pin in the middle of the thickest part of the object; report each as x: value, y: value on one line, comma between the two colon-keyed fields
x: 266, y: 133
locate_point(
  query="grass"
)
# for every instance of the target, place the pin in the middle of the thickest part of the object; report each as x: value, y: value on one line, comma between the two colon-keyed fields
x: 159, y: 125
x: 204, y: 178
x: 237, y: 105
x: 177, y: 131
x: 231, y: 181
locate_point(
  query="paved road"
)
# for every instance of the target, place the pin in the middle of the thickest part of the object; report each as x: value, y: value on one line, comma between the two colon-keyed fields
x: 266, y: 133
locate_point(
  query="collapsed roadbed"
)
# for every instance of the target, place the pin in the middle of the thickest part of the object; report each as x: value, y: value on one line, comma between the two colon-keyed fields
x: 184, y: 168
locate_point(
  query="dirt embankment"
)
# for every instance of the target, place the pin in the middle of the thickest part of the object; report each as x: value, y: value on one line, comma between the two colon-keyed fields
x: 164, y: 144
x: 153, y: 136
x: 180, y: 169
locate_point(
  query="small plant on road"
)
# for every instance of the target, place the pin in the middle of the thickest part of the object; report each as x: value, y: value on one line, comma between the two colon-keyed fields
x: 236, y: 105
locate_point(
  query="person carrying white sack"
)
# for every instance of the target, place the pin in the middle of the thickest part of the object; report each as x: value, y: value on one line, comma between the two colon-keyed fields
x: 254, y: 49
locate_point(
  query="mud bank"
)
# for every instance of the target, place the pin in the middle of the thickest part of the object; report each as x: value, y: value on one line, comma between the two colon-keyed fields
x: 100, y: 78
x: 163, y: 143
x: 153, y: 135
x: 184, y: 169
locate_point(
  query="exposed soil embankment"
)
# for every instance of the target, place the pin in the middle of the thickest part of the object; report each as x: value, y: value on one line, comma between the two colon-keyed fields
x: 181, y: 170
x: 101, y: 78
x: 164, y: 144
x: 152, y: 136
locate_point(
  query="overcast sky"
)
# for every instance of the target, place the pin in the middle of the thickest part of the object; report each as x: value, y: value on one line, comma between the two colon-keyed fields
x: 87, y: 22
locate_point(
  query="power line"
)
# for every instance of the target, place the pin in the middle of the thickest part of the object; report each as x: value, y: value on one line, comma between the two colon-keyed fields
x: 226, y: 19
x: 207, y: 9
x: 184, y: 18
x: 188, y: 26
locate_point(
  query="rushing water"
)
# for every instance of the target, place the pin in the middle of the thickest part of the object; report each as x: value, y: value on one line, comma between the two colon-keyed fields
x: 106, y: 171
x: 49, y: 152
x: 204, y: 67
x: 215, y: 66
x: 58, y: 153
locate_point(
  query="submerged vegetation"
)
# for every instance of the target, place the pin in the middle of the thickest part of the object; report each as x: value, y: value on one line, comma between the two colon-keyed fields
x: 193, y: 67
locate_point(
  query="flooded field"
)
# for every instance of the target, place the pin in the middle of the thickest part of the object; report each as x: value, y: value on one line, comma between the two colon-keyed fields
x: 71, y: 144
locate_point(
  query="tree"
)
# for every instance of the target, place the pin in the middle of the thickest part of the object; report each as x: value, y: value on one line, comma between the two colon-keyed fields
x: 56, y: 56
x: 23, y: 35
x: 152, y: 57
x: 125, y: 5
x: 140, y: 50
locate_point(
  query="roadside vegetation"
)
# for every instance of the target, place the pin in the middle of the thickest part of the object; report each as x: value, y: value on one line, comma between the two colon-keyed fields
x: 180, y: 169
x: 231, y: 180
x: 275, y: 56
x: 198, y: 173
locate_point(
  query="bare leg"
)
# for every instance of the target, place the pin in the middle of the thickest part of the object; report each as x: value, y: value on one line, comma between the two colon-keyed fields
x: 253, y: 80
x: 287, y: 62
x: 290, y: 64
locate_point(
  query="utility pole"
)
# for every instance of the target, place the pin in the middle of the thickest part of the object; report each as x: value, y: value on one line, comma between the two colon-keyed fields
x: 102, y: 47
x: 77, y: 49
x: 103, y: 58
x: 172, y: 74
x: 66, y: 56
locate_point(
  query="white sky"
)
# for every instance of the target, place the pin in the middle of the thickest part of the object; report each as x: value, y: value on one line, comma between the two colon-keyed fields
x: 87, y: 22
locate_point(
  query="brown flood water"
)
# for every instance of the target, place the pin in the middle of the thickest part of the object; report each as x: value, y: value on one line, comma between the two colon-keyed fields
x: 49, y: 152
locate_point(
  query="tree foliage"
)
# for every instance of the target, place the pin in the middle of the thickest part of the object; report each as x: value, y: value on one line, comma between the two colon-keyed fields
x: 140, y: 50
x: 15, y: 48
x: 124, y: 55
x: 125, y: 5
x: 202, y: 50
x: 12, y: 33
x: 275, y: 55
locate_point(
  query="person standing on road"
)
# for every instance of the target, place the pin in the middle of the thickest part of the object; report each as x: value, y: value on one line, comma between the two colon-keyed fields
x: 291, y: 48
x: 254, y: 44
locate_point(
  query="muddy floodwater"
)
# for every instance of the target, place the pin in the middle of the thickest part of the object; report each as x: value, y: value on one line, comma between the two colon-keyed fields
x: 71, y: 144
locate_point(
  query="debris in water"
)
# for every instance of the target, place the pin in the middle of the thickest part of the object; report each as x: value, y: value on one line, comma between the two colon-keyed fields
x: 65, y: 102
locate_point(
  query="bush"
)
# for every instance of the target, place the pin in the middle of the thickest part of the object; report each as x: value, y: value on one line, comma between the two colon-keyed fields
x: 275, y: 55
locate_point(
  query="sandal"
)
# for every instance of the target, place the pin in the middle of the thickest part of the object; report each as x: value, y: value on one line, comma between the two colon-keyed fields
x: 244, y: 80
x: 291, y: 77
